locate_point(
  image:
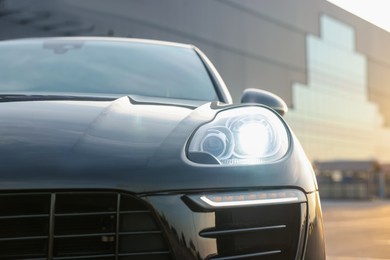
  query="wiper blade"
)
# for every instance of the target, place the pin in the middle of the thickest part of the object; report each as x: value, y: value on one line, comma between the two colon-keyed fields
x: 26, y: 97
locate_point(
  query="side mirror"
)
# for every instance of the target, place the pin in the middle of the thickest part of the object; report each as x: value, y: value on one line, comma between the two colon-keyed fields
x: 252, y: 95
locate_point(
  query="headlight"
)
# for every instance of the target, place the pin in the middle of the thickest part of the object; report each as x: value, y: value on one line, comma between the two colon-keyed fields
x: 246, y: 135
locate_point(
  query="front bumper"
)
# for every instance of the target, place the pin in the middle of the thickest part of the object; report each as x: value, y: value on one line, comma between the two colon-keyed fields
x: 101, y: 224
x: 275, y: 230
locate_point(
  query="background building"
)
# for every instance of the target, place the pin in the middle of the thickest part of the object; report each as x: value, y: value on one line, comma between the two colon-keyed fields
x: 331, y: 67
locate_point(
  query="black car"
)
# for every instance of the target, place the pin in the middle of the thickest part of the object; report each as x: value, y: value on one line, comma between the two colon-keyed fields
x: 132, y: 149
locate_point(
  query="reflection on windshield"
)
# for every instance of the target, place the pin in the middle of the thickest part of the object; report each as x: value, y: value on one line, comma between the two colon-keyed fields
x: 111, y: 67
x: 61, y: 46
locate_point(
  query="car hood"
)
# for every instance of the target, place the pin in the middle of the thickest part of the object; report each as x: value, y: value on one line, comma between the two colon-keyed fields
x: 130, y: 144
x: 71, y: 135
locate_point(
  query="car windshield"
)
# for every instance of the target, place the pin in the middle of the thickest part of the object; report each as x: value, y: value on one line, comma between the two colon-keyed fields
x: 95, y: 67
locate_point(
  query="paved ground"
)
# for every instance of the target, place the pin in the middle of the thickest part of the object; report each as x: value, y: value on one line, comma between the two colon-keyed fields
x: 356, y: 230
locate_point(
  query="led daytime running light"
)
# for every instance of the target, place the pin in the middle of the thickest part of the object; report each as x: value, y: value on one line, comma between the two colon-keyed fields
x: 253, y: 198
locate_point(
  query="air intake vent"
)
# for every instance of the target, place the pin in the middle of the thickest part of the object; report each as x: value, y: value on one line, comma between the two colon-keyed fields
x: 98, y: 225
x: 262, y: 232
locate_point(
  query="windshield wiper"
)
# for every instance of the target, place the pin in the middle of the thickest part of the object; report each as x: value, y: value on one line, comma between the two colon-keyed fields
x: 26, y: 97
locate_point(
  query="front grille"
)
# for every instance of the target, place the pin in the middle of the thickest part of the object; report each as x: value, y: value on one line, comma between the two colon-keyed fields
x: 268, y: 232
x: 79, y: 225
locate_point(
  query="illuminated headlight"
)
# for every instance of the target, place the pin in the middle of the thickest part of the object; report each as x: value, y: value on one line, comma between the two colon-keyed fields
x: 246, y: 135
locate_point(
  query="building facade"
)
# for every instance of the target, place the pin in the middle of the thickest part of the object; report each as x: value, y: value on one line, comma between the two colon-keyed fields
x: 331, y: 67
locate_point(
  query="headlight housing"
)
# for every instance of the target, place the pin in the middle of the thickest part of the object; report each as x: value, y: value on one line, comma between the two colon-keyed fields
x: 244, y: 135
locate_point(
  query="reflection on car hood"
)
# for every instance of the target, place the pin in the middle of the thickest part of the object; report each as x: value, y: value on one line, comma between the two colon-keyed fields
x: 72, y: 135
x: 130, y: 144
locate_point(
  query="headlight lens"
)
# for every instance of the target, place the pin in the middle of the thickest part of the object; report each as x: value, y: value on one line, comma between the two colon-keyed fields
x: 218, y: 142
x: 246, y: 135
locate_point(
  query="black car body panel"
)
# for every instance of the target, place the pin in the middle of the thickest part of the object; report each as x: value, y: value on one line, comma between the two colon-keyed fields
x: 110, y: 178
x: 110, y: 144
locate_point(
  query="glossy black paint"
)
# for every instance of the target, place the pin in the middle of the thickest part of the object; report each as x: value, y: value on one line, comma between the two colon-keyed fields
x: 174, y: 216
x: 315, y: 244
x: 252, y: 95
x: 137, y: 145
x: 114, y: 144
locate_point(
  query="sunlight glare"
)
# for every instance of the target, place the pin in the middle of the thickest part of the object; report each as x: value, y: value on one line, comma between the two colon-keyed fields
x: 373, y: 11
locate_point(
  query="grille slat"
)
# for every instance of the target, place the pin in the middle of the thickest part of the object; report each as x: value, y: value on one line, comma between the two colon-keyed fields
x: 85, y: 235
x: 216, y: 233
x: 79, y: 225
x: 140, y: 232
x: 24, y: 216
x: 22, y: 238
x: 135, y: 212
x: 264, y: 232
x: 85, y: 214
